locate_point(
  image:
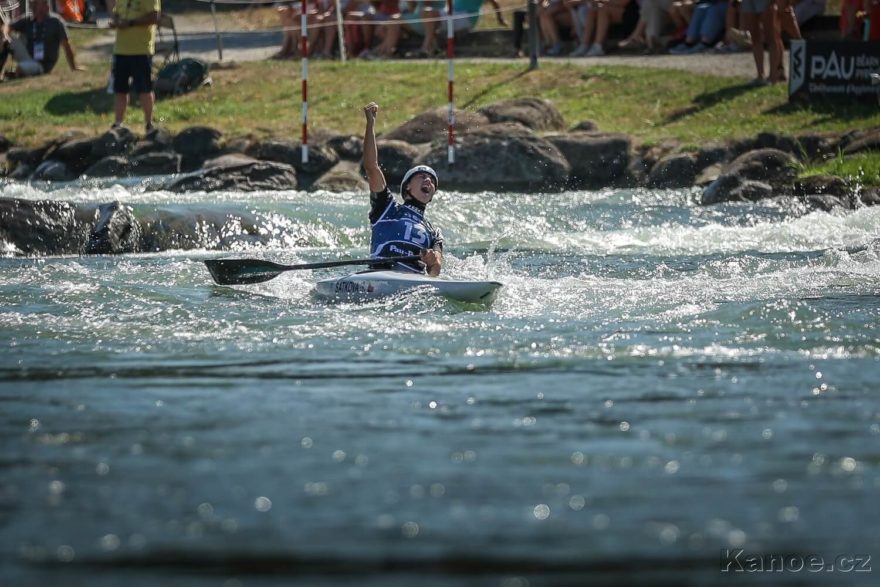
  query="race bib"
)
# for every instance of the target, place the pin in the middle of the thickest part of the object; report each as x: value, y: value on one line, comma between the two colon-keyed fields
x: 39, y: 52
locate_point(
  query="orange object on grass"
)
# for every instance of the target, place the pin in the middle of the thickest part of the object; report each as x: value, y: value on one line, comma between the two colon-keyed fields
x: 72, y: 10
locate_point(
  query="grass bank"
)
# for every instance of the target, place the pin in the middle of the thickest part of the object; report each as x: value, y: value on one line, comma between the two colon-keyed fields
x: 262, y: 99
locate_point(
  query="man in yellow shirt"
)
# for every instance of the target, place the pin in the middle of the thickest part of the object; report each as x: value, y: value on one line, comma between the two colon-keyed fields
x: 135, y: 23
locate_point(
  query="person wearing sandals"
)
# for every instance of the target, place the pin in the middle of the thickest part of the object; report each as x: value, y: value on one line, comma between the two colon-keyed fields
x: 554, y: 15
x: 600, y: 17
x: 653, y: 17
x: 706, y: 27
x: 427, y: 18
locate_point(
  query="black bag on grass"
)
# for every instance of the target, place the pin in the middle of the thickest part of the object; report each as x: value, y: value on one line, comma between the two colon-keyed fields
x: 181, y: 77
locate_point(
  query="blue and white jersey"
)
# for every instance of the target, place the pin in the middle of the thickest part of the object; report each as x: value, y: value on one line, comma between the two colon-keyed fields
x: 401, y: 229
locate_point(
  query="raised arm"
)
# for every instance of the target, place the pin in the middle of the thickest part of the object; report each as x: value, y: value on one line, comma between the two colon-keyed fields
x: 375, y: 177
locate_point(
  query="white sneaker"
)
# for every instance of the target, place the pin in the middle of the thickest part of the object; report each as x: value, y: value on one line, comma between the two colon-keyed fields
x: 596, y: 51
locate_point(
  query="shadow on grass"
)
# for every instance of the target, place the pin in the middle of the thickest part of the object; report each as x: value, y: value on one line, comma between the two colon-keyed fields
x: 828, y: 110
x: 97, y: 101
x: 491, y: 88
x: 708, y: 100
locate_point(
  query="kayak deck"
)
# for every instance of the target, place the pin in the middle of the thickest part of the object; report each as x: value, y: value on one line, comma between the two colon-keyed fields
x: 369, y: 285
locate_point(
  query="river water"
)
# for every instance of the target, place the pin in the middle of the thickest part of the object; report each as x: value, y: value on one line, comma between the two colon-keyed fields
x: 660, y: 387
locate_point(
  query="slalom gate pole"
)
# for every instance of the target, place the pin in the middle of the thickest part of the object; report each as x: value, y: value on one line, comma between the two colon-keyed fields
x: 304, y: 28
x: 450, y: 56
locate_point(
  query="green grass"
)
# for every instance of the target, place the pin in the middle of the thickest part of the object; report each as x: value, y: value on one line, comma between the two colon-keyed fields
x: 862, y: 168
x: 262, y: 99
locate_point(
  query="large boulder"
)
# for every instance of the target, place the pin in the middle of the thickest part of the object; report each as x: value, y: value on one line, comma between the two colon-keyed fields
x: 535, y: 113
x: 674, y: 171
x: 43, y: 227
x: 115, y: 231
x: 321, y: 157
x: 344, y: 177
x: 158, y: 139
x: 396, y: 158
x: 733, y: 188
x: 52, y: 170
x: 825, y: 192
x: 198, y: 142
x: 712, y: 154
x: 114, y: 142
x: 828, y: 185
x: 155, y: 163
x: 110, y: 166
x: 770, y: 165
x: 348, y: 147
x: 870, y: 196
x: 206, y: 228
x: 28, y: 156
x: 501, y: 157
x: 77, y: 154
x: 868, y: 142
x: 596, y: 159
x: 245, y: 176
x: 433, y: 125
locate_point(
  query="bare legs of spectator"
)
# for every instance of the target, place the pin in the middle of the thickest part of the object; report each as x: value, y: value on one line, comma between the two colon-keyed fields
x: 787, y: 20
x: 388, y: 46
x: 637, y: 38
x: 120, y: 104
x: 764, y: 28
x: 607, y: 13
x: 290, y: 43
x: 680, y: 12
x: 550, y: 15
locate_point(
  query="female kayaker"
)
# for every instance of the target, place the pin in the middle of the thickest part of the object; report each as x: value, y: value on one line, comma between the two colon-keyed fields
x: 401, y: 229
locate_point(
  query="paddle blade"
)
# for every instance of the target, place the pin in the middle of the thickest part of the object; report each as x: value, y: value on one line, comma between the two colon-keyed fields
x: 242, y: 271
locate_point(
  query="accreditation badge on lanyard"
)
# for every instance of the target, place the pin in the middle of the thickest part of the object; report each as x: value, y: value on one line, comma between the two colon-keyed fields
x: 39, y: 47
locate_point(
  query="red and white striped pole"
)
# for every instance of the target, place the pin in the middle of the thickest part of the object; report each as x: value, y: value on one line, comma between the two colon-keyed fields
x: 304, y: 29
x: 450, y: 56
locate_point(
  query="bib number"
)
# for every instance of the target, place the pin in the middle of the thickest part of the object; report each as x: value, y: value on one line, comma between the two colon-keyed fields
x: 416, y: 235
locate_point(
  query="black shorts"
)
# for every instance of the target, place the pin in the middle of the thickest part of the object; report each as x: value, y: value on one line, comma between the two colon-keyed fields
x: 137, y: 68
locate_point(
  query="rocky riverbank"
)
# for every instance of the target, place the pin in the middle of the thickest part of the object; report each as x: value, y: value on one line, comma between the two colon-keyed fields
x: 518, y: 145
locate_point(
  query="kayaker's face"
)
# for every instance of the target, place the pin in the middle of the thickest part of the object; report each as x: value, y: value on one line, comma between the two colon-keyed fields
x: 421, y: 186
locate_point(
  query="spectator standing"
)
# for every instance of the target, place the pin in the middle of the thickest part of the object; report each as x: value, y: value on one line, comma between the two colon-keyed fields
x: 135, y: 23
x: 763, y: 25
x: 41, y: 36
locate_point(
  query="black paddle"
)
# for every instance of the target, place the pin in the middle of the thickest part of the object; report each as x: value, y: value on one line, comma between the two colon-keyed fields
x: 245, y: 271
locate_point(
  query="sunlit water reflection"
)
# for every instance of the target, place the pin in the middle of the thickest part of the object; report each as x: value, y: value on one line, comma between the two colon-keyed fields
x: 656, y: 382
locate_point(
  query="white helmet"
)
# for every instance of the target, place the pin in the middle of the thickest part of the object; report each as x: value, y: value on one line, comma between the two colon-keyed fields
x: 413, y: 171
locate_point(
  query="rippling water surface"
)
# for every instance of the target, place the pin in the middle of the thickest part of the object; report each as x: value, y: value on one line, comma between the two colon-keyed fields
x: 656, y: 383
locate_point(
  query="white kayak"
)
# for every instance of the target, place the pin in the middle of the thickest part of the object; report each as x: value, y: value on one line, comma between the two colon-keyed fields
x: 369, y: 285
